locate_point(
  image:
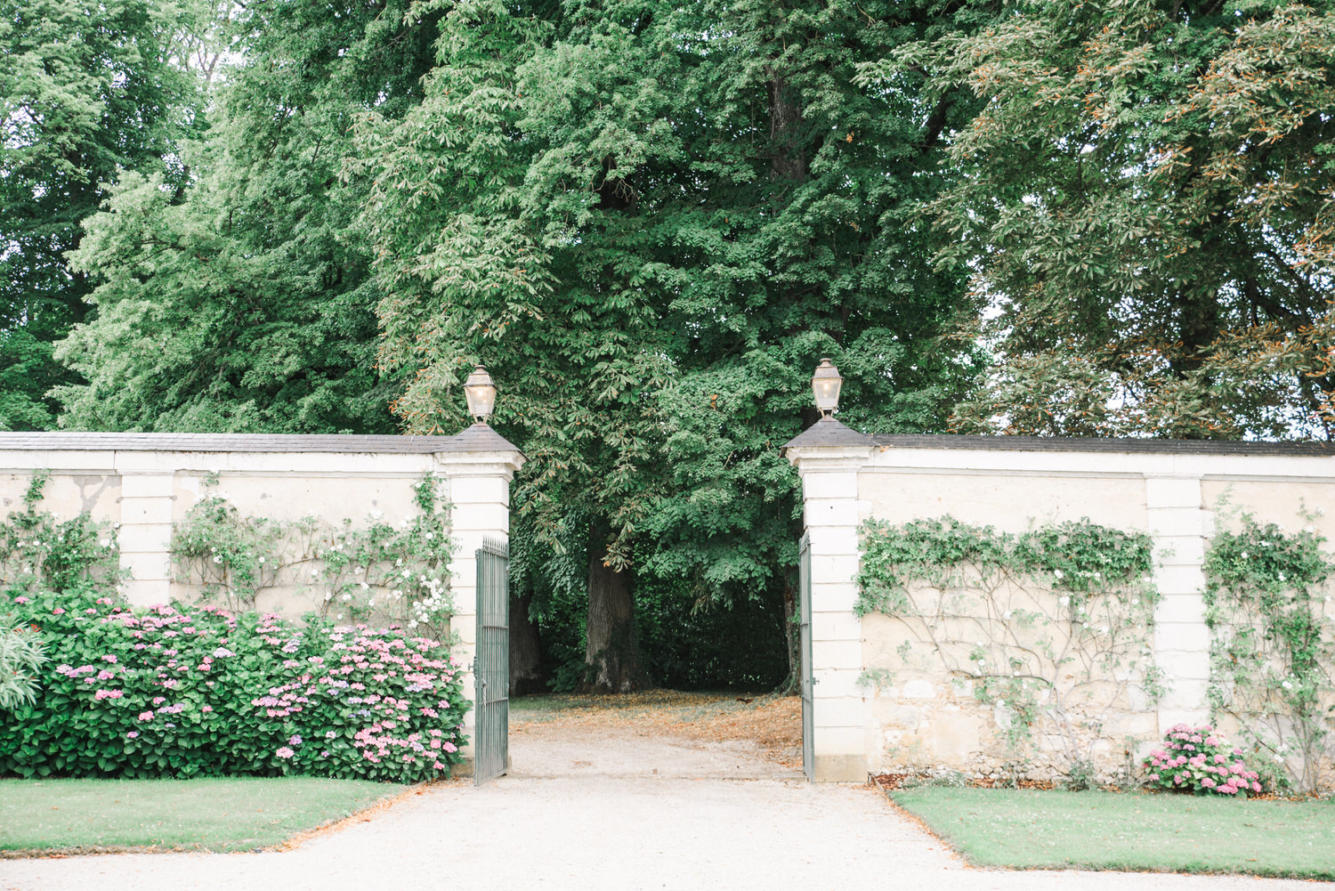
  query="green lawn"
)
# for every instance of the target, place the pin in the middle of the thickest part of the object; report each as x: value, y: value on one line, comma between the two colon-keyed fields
x: 230, y: 814
x: 1024, y: 829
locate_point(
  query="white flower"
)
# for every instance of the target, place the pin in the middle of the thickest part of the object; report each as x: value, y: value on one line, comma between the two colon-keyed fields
x: 1057, y: 573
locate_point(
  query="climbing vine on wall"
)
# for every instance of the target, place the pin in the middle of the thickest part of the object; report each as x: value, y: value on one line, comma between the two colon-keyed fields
x: 400, y: 573
x: 40, y: 552
x: 1273, y: 643
x: 1051, y: 627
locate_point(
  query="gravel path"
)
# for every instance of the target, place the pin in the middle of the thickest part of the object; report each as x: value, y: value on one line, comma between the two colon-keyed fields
x: 605, y: 809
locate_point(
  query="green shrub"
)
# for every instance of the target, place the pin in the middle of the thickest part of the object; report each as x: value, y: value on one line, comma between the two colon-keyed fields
x: 1201, y: 761
x: 21, y: 655
x: 170, y: 691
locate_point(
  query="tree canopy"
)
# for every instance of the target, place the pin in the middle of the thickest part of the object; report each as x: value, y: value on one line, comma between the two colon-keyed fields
x: 88, y: 89
x: 1146, y: 193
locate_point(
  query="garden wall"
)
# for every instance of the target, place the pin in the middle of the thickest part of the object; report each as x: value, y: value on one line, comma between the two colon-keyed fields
x: 145, y: 482
x: 871, y: 714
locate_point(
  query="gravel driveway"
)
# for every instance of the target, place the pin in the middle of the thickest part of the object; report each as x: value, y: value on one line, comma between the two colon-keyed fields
x: 604, y: 808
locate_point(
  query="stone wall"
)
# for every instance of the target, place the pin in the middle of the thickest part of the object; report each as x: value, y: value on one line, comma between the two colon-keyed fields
x: 1174, y: 491
x: 143, y: 483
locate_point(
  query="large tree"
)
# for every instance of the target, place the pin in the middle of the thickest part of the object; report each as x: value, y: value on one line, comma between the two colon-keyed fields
x: 651, y: 223
x: 88, y: 89
x: 240, y: 300
x: 1147, y: 195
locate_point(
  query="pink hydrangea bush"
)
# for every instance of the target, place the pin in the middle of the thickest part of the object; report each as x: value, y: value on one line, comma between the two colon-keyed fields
x: 1200, y: 761
x: 183, y: 691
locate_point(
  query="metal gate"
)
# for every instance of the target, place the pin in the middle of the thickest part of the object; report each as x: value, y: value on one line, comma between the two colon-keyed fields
x: 491, y: 668
x: 804, y: 642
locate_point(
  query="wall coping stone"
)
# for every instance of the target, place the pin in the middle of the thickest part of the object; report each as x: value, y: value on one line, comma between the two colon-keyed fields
x: 477, y: 438
x: 888, y: 441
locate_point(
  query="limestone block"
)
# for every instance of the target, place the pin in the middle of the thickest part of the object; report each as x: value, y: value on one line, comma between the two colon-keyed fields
x: 838, y: 625
x: 147, y: 510
x: 145, y: 538
x: 156, y: 485
x: 1176, y: 521
x: 1181, y: 637
x: 1167, y: 492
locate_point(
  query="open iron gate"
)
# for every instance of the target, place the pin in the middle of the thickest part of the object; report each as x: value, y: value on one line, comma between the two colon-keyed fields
x: 804, y: 643
x: 491, y: 669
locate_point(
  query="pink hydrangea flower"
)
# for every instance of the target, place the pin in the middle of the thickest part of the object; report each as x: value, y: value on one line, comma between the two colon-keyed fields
x: 284, y: 752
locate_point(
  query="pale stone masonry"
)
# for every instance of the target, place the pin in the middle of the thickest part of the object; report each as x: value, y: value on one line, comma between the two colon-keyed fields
x: 1172, y: 490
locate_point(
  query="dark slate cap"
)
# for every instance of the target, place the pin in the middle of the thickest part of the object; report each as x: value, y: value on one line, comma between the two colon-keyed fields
x: 477, y: 438
x: 1075, y: 444
x: 825, y: 433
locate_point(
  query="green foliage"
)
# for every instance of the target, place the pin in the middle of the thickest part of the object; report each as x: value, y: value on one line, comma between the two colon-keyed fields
x: 229, y: 556
x: 651, y: 223
x: 1273, y: 642
x: 701, y: 644
x: 21, y: 655
x: 90, y: 88
x: 400, y: 573
x: 1050, y: 627
x: 1144, y: 190
x: 1080, y: 559
x: 1200, y: 761
x: 40, y: 552
x: 168, y: 692
x: 240, y: 301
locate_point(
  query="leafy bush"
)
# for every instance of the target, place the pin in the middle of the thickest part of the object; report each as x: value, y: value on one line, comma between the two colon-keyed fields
x: 21, y: 655
x: 185, y: 691
x: 1199, y: 760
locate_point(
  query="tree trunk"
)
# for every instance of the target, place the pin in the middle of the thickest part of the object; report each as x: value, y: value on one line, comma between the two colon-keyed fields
x: 793, y: 638
x: 612, y: 651
x: 788, y: 158
x: 525, y: 649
